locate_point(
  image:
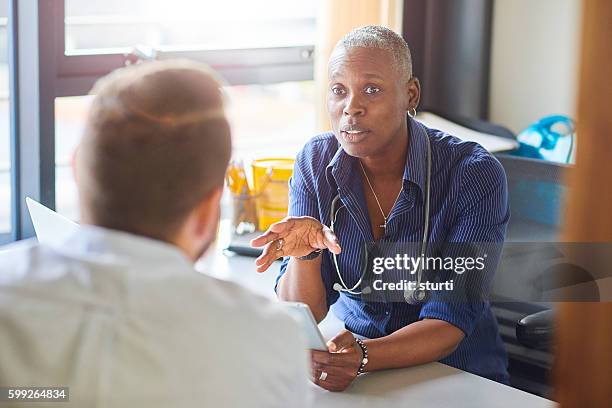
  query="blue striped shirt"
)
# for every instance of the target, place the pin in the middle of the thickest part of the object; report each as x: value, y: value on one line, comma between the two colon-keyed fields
x: 469, y: 203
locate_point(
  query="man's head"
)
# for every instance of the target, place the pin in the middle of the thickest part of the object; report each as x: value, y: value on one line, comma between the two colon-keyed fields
x: 154, y: 153
x: 371, y: 88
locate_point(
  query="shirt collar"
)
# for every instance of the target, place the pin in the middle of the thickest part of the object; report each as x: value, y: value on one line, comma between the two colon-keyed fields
x: 416, y: 157
x: 104, y: 244
x: 339, y: 168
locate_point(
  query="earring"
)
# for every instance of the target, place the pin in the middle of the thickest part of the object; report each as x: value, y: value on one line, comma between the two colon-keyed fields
x: 412, y: 113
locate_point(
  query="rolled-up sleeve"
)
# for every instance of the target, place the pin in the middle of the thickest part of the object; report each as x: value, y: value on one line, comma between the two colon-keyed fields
x: 482, y: 217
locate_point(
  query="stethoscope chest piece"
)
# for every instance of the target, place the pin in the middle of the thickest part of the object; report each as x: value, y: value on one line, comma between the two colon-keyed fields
x: 415, y: 297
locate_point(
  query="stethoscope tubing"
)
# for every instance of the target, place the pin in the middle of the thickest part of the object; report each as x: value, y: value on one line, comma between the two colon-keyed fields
x: 333, y: 213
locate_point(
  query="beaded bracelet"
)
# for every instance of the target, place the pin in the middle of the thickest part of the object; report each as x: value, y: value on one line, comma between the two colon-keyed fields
x: 364, y: 361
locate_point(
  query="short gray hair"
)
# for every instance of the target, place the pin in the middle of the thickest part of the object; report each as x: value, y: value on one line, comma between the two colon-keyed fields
x: 373, y: 36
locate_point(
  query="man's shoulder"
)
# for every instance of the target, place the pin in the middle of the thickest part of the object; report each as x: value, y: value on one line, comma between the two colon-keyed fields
x: 237, y: 304
x: 18, y: 248
x: 258, y: 331
x: 16, y: 259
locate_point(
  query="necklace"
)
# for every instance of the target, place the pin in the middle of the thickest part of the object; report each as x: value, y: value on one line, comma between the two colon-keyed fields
x: 384, y: 226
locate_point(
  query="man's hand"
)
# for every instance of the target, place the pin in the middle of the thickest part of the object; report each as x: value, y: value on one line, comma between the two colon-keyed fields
x: 340, y: 364
x: 293, y: 236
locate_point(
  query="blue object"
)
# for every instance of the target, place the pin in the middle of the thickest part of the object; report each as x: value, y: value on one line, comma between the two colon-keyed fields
x: 538, y: 201
x: 551, y: 138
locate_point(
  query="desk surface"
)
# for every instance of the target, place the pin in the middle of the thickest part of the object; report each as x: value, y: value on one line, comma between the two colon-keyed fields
x: 430, y: 385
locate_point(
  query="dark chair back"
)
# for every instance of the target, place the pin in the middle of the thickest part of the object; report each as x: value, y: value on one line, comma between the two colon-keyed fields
x: 536, y: 191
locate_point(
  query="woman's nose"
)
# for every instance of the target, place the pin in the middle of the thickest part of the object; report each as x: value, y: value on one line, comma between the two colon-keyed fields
x: 353, y: 106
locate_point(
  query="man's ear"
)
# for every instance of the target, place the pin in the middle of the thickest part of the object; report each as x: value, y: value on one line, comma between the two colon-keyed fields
x: 207, y: 211
x: 413, y: 89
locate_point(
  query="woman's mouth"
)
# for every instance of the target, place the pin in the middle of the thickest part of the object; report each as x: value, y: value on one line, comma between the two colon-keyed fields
x: 354, y: 136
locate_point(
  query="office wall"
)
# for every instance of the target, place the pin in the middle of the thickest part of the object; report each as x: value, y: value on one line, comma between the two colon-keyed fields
x: 450, y: 44
x: 534, y: 60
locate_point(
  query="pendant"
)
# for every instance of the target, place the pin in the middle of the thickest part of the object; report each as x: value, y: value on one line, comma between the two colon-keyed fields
x: 383, y: 226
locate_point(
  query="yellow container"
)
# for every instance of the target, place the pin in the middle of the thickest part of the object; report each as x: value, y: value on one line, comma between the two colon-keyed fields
x: 271, y: 185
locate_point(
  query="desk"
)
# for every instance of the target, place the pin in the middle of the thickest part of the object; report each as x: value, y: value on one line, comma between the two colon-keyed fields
x: 429, y: 385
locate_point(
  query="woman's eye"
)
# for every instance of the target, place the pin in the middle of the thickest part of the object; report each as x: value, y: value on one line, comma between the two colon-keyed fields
x: 371, y: 90
x: 337, y: 91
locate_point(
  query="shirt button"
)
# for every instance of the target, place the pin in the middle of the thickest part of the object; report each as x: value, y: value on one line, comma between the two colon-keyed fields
x: 387, y: 313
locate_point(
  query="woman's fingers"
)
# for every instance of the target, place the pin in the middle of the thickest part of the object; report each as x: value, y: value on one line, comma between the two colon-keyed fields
x: 264, y: 239
x: 341, y: 341
x: 331, y: 241
x: 271, y: 253
x: 337, y: 379
x: 273, y: 242
x: 293, y: 236
x: 273, y: 232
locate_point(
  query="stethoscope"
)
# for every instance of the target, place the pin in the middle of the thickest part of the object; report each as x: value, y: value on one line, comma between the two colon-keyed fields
x: 412, y: 296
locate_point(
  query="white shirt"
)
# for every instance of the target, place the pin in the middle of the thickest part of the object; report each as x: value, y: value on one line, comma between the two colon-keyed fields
x: 126, y: 321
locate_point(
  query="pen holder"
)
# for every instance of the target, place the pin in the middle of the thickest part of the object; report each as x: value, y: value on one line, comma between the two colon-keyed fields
x: 244, y: 214
x: 271, y: 186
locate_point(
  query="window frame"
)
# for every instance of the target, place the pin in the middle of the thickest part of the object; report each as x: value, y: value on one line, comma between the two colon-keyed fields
x: 76, y: 73
x: 41, y: 71
x: 11, y: 235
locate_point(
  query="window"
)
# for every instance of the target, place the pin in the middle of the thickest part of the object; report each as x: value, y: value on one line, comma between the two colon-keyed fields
x: 265, y: 54
x: 243, y: 40
x: 212, y: 24
x: 5, y: 139
x: 271, y: 120
x: 70, y: 115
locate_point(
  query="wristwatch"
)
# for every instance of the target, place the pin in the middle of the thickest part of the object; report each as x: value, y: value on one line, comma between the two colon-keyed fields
x: 311, y: 255
x: 364, y: 360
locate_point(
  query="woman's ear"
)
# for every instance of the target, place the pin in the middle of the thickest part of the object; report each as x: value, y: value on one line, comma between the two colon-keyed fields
x: 413, y: 88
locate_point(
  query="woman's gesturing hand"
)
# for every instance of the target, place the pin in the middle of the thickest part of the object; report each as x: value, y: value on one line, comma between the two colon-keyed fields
x: 293, y: 236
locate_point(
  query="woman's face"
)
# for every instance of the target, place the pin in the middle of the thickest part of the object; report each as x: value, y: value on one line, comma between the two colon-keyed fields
x: 367, y: 100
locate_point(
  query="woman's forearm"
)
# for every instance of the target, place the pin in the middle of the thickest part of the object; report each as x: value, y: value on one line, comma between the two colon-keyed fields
x: 302, y: 282
x: 418, y: 343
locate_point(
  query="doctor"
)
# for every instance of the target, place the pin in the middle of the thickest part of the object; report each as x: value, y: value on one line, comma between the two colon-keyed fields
x: 390, y: 179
